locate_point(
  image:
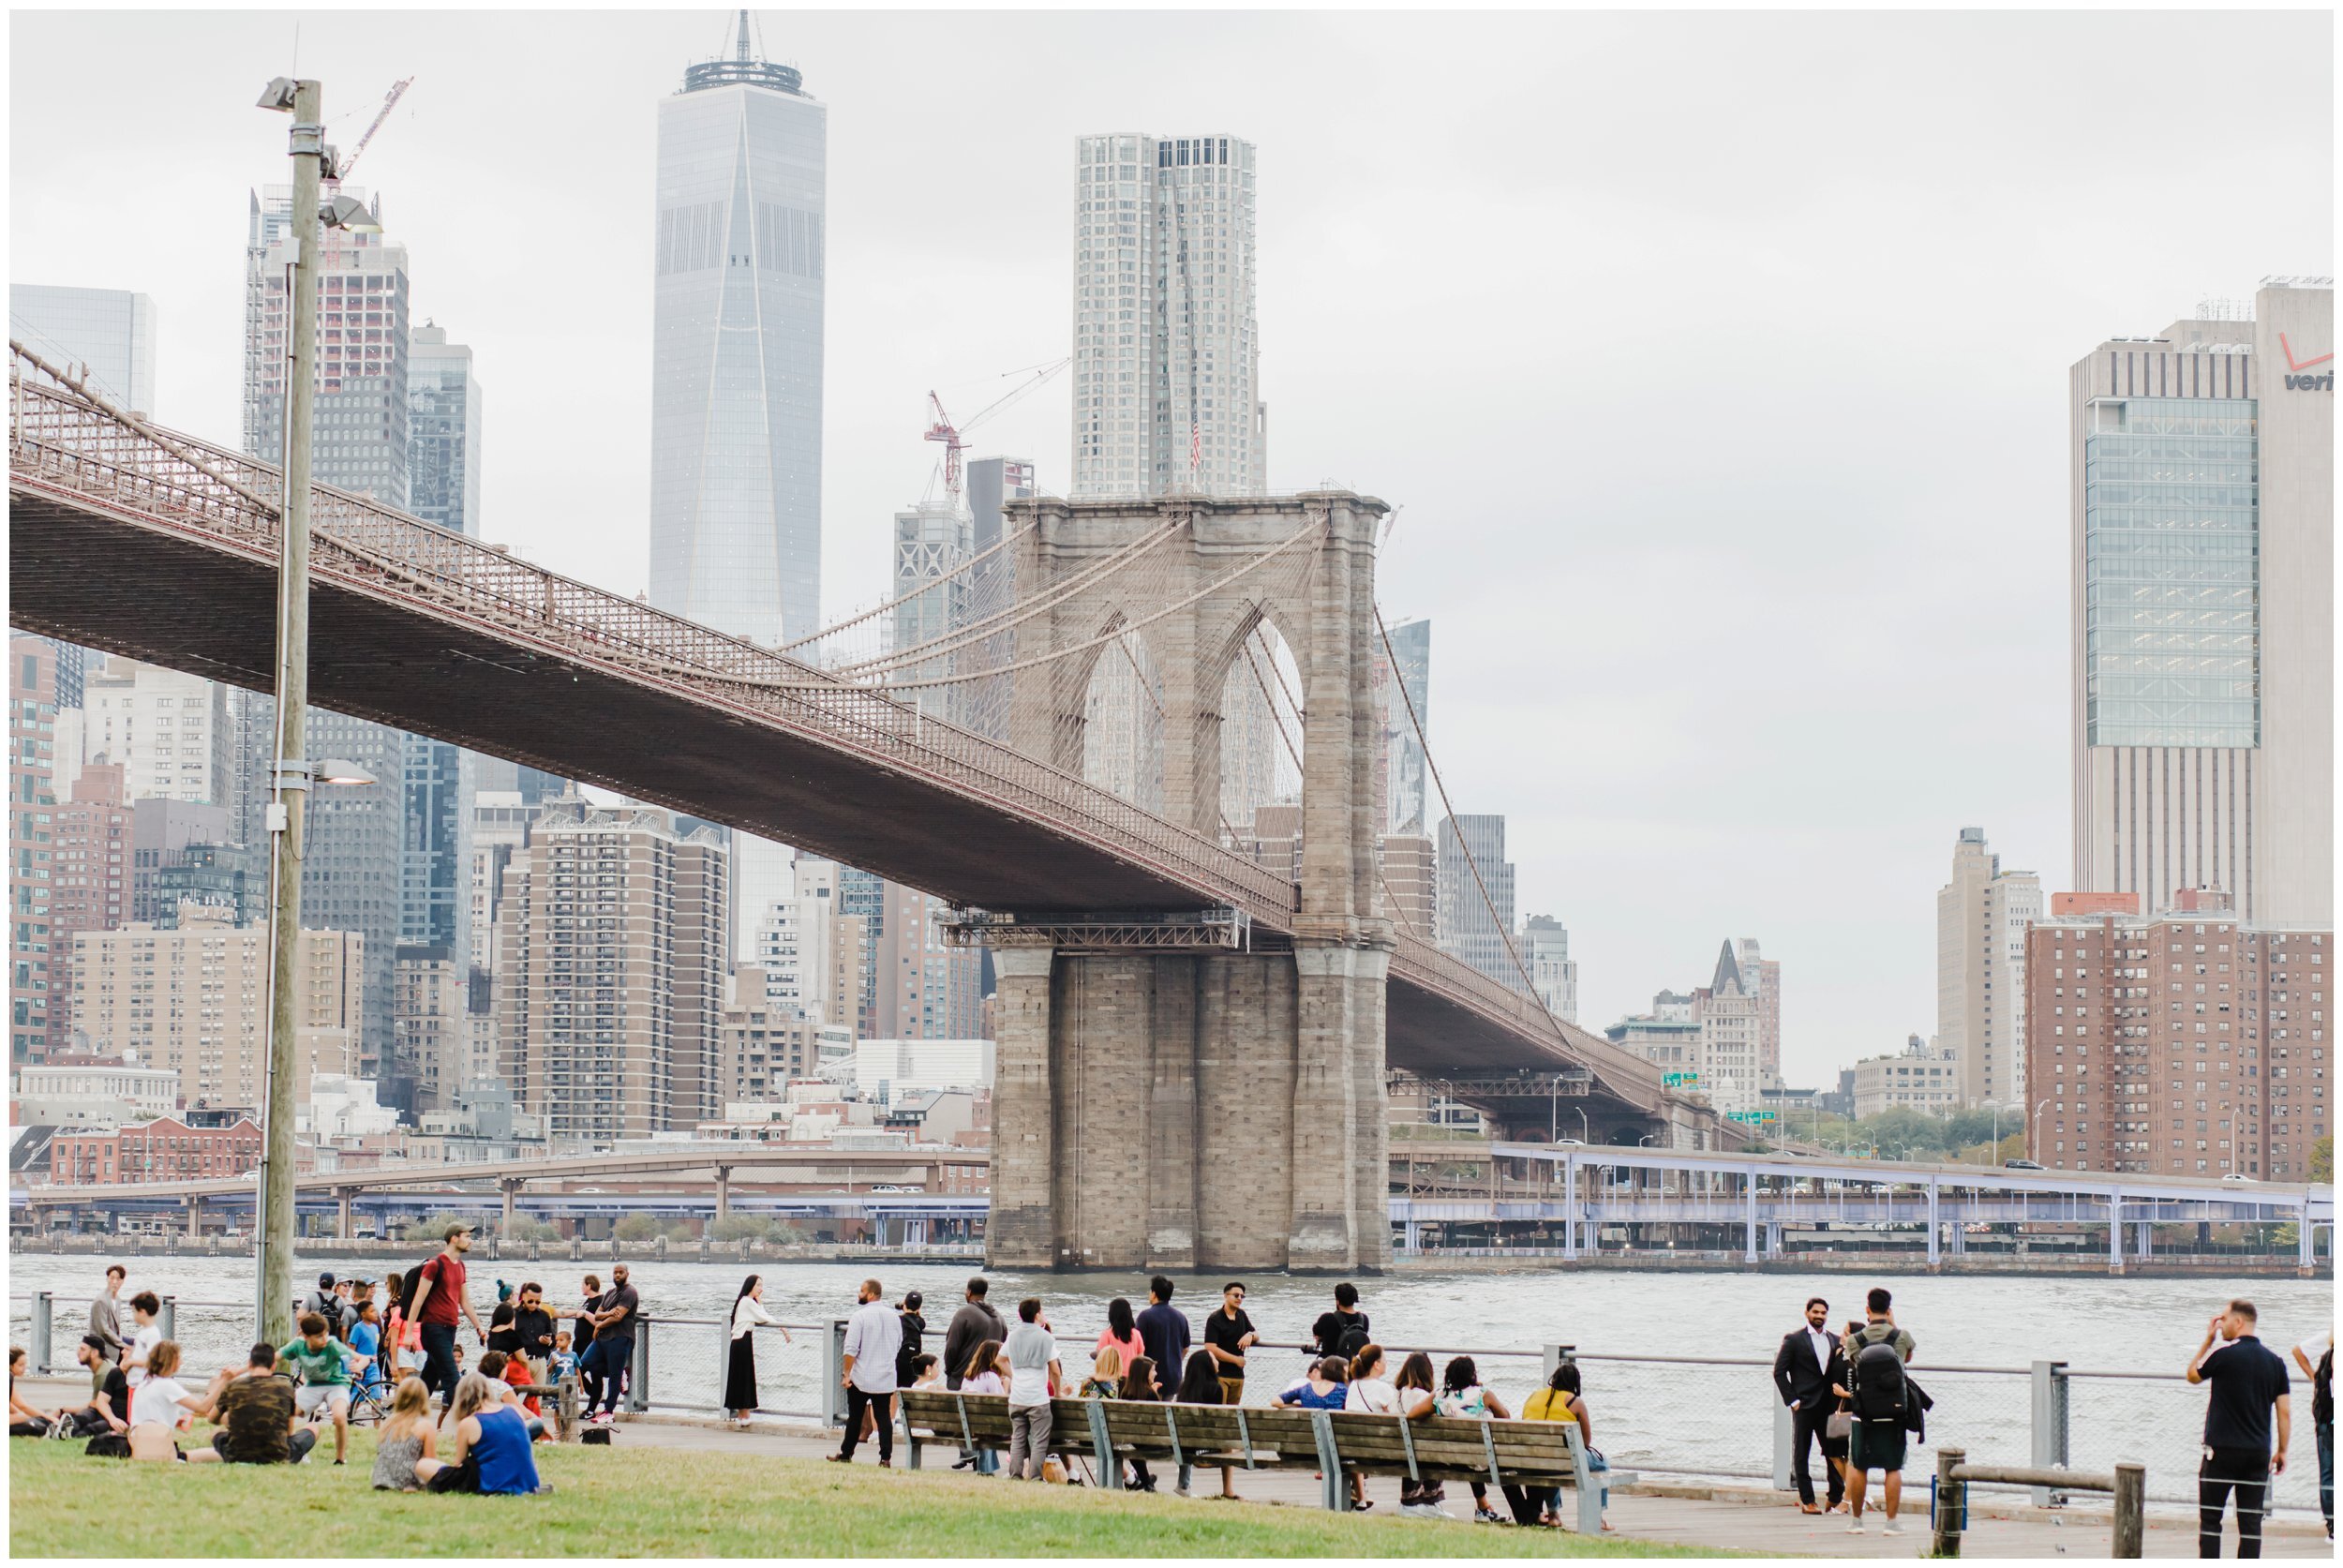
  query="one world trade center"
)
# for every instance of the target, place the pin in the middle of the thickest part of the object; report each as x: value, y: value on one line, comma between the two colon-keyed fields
x: 736, y: 532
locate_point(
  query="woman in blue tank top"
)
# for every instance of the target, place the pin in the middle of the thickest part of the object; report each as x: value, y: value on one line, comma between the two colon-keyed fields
x: 491, y: 1448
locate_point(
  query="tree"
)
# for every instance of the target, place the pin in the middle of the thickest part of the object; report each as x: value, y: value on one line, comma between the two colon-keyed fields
x: 2323, y: 1160
x: 635, y: 1227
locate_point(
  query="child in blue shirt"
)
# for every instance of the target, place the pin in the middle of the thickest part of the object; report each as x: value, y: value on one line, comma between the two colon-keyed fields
x: 564, y: 1359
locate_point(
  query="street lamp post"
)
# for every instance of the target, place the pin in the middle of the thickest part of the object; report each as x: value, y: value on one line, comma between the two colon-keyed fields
x: 288, y: 791
x: 2034, y: 1137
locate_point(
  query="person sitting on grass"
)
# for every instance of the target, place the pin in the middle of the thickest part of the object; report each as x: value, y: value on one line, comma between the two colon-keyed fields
x: 24, y: 1421
x: 498, y: 1368
x: 489, y: 1451
x: 109, y: 1409
x: 324, y: 1364
x: 258, y: 1421
x: 408, y: 1436
x: 159, y: 1404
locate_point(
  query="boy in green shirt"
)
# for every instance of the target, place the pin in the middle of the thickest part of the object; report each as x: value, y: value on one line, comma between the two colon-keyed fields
x: 323, y: 1364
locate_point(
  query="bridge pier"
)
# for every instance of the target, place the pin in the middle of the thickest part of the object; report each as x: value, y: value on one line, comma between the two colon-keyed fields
x: 511, y: 1189
x: 195, y: 1217
x: 345, y: 1218
x: 1196, y: 1109
x: 723, y: 1191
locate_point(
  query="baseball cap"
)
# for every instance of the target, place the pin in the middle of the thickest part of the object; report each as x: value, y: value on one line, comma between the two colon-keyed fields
x: 326, y: 1279
x: 458, y: 1229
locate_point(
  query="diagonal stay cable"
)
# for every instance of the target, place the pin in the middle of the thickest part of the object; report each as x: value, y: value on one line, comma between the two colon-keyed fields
x: 1389, y: 897
x: 965, y: 569
x: 1432, y: 767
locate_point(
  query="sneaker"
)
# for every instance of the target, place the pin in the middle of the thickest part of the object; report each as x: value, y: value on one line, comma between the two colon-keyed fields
x: 1424, y: 1511
x: 1854, y: 1527
x: 1488, y: 1516
x: 1893, y: 1528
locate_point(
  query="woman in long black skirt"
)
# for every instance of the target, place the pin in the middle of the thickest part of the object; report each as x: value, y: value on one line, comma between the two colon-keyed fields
x: 748, y: 1310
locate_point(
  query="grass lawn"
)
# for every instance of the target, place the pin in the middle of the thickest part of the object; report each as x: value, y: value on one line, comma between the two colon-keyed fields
x: 610, y: 1503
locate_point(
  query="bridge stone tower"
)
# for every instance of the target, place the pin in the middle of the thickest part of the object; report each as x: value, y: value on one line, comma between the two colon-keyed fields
x: 1161, y: 1103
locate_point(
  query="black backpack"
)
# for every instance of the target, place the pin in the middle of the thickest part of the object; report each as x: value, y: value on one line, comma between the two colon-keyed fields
x: 1353, y: 1341
x: 1879, y: 1386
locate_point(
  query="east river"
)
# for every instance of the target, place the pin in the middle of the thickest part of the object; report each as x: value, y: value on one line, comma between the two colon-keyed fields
x: 1647, y: 1415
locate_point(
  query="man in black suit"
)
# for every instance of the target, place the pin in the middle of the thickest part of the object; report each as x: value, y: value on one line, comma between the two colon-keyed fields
x: 1811, y: 1372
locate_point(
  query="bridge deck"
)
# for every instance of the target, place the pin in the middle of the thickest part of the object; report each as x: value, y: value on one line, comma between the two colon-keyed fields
x: 163, y: 547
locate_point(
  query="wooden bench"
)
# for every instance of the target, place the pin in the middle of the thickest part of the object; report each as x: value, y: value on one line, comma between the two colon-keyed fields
x: 1332, y: 1442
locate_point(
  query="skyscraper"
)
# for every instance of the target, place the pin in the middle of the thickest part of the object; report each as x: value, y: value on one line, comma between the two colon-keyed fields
x: 36, y: 974
x: 622, y: 895
x: 1546, y: 949
x: 443, y: 419
x: 106, y: 335
x: 736, y: 528
x: 1167, y: 357
x: 2203, y: 608
x: 362, y: 361
x: 1981, y: 918
x: 1470, y: 928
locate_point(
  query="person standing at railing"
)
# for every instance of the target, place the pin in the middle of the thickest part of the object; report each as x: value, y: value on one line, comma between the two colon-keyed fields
x: 1876, y: 1356
x: 583, y: 1340
x: 1227, y: 1334
x: 614, y: 1341
x: 1808, y: 1371
x: 915, y: 1328
x: 1121, y: 1335
x: 2315, y: 1357
x: 973, y: 1324
x: 1342, y: 1332
x: 105, y: 1321
x: 1163, y: 1331
x: 2249, y: 1387
x: 873, y: 1335
x: 145, y: 1310
x: 748, y: 1310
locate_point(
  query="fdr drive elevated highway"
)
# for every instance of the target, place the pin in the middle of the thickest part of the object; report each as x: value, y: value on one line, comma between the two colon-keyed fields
x: 1575, y: 1194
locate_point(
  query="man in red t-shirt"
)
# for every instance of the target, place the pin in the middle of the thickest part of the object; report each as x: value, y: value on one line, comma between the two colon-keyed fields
x: 438, y: 1298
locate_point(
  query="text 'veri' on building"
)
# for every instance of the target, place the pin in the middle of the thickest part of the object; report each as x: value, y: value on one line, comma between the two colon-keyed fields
x: 1981, y: 916
x: 2204, y: 606
x: 1167, y: 357
x: 736, y: 524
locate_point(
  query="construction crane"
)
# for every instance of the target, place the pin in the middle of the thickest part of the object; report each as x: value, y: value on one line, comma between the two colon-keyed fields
x: 390, y: 101
x: 942, y: 428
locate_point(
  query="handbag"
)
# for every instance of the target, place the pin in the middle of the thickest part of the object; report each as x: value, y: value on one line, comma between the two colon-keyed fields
x: 1838, y: 1425
x: 1052, y: 1472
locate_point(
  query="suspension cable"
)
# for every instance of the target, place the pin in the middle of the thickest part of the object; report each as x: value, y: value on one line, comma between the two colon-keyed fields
x: 1432, y: 767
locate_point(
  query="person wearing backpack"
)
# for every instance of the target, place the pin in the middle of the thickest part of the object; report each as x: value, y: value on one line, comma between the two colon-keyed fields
x: 1343, y: 1330
x: 1876, y: 1356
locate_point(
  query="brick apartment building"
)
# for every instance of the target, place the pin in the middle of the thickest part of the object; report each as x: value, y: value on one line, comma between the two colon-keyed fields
x: 2185, y: 1043
x: 163, y: 1150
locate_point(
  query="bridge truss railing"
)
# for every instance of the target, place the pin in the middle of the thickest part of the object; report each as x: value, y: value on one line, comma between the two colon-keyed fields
x: 63, y: 438
x: 59, y: 437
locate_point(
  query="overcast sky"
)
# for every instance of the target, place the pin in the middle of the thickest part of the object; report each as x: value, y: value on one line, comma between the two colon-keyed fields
x: 1719, y: 362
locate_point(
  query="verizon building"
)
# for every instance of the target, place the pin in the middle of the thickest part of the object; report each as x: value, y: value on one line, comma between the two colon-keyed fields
x: 2203, y: 499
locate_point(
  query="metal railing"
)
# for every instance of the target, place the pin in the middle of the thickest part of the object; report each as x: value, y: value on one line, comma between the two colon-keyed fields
x: 1692, y: 1416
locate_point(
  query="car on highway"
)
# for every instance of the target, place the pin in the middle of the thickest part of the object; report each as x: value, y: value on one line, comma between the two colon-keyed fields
x: 2234, y: 1177
x: 2022, y: 1165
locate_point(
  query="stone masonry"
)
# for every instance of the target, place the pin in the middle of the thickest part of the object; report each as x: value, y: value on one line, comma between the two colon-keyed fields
x: 1223, y: 1109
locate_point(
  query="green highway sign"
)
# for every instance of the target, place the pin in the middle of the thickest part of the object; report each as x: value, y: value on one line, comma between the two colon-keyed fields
x: 1672, y: 1079
x: 1750, y: 1116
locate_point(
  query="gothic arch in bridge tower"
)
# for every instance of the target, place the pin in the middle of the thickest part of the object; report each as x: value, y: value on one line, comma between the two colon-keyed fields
x: 1159, y: 1104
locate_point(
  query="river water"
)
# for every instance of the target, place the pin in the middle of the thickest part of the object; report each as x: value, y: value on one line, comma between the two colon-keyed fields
x: 1704, y: 1419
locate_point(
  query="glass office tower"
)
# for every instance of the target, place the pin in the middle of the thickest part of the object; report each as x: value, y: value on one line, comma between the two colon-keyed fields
x: 736, y: 529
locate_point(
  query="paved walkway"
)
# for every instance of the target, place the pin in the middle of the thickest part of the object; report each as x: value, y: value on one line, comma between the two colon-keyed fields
x: 1725, y: 1517
x: 1752, y: 1522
